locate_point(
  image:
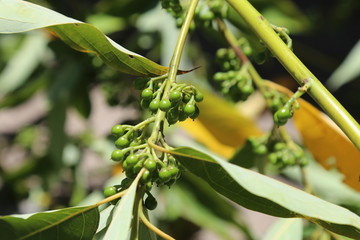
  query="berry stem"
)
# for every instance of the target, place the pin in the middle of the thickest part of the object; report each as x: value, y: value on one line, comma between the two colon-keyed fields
x: 297, y: 69
x: 173, y: 69
x: 151, y: 226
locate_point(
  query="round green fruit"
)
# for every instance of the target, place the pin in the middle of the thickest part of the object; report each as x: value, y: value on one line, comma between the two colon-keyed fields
x: 109, y: 191
x: 147, y: 93
x: 189, y: 109
x: 150, y: 165
x: 132, y: 159
x: 117, y: 130
x: 150, y: 203
x: 117, y: 155
x: 164, y: 175
x: 175, y: 96
x: 164, y: 105
x: 122, y: 142
x: 154, y: 105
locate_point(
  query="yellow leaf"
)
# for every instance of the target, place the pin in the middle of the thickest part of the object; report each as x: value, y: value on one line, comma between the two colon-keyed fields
x: 220, y: 127
x: 324, y: 139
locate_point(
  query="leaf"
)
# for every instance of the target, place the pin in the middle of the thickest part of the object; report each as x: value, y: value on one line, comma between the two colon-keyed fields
x: 69, y: 223
x: 21, y: 16
x: 347, y: 71
x: 119, y: 228
x: 220, y: 127
x: 285, y: 229
x: 26, y: 58
x: 324, y: 139
x: 263, y: 194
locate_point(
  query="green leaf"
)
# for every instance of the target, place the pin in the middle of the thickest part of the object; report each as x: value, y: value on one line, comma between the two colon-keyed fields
x: 26, y: 58
x: 21, y: 16
x: 263, y: 194
x: 69, y: 223
x: 120, y: 225
x: 285, y: 229
x: 347, y: 71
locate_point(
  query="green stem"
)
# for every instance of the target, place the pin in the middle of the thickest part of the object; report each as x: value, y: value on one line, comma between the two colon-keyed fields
x: 297, y: 69
x: 173, y: 68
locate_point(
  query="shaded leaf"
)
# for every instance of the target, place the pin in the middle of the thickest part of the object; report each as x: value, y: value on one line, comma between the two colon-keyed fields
x: 285, y: 229
x: 324, y: 139
x: 120, y: 224
x: 21, y: 16
x: 263, y: 194
x: 220, y: 127
x: 69, y: 223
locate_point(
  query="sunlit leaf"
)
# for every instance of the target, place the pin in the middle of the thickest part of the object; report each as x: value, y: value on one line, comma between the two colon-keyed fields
x: 285, y: 229
x: 21, y: 16
x: 120, y: 225
x: 68, y: 223
x: 220, y: 127
x: 26, y: 59
x: 263, y: 194
x: 324, y: 139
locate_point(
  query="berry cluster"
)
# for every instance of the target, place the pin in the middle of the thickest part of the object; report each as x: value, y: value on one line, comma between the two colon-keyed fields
x: 278, y: 152
x: 236, y: 82
x: 173, y: 7
x: 178, y: 105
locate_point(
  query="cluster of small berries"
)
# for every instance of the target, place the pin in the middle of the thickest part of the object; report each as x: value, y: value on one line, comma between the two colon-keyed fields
x: 236, y: 82
x: 278, y: 153
x: 178, y: 105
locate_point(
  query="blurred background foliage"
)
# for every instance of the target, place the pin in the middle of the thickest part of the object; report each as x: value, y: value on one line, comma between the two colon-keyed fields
x: 57, y: 106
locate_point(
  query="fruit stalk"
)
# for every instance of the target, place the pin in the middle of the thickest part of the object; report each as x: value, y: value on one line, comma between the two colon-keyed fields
x: 297, y: 69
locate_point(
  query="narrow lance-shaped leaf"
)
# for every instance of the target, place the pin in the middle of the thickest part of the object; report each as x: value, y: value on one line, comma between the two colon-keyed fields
x: 120, y: 225
x: 263, y: 194
x: 285, y: 229
x: 69, y: 223
x: 20, y: 16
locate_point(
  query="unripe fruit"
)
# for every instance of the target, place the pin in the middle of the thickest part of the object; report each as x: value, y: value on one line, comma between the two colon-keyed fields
x: 164, y: 105
x: 189, y: 109
x: 146, y: 177
x: 125, y: 183
x: 150, y: 165
x: 132, y: 159
x: 199, y: 96
x: 147, y: 93
x: 150, y: 203
x: 117, y: 155
x: 174, y: 171
x: 122, y: 142
x: 109, y: 191
x: 175, y: 96
x: 279, y: 146
x: 154, y: 105
x: 164, y: 175
x: 117, y: 130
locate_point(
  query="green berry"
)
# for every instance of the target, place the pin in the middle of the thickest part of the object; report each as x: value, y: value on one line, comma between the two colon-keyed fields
x: 279, y: 146
x: 221, y: 53
x: 175, y: 96
x: 125, y: 183
x: 164, y: 175
x: 132, y: 159
x: 172, y: 116
x: 147, y: 93
x: 109, y: 191
x: 199, y: 96
x: 219, y: 76
x: 196, y: 113
x: 146, y: 177
x: 189, y: 109
x: 186, y: 98
x: 117, y: 130
x: 273, y: 157
x: 122, y: 142
x: 154, y: 105
x: 150, y: 165
x: 283, y: 113
x: 174, y: 171
x: 208, y: 15
x: 150, y: 203
x: 117, y: 155
x: 164, y: 105
x: 260, y: 149
x: 182, y: 116
x: 126, y: 166
x: 148, y: 186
